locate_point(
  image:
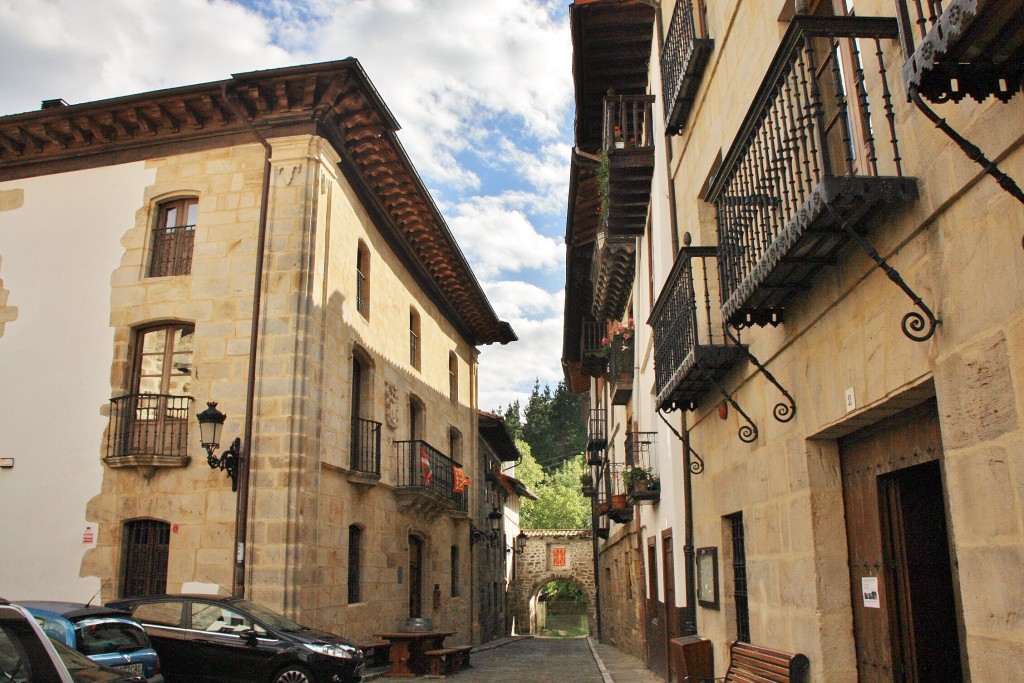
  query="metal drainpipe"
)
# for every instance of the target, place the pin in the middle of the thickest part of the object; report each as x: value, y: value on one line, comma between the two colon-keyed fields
x: 242, y: 508
x: 597, y: 569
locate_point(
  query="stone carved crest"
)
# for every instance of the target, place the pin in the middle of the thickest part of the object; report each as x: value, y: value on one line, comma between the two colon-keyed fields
x: 391, y: 405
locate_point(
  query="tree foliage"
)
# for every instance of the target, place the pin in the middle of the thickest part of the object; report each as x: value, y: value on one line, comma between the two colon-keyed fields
x: 560, y: 503
x: 554, y: 425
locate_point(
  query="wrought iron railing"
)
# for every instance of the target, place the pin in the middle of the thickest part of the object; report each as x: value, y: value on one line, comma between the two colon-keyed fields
x: 627, y: 123
x: 812, y: 140
x: 683, y: 59
x: 590, y: 339
x: 620, y: 368
x: 597, y: 430
x: 152, y: 425
x: 172, y: 251
x: 361, y: 293
x: 691, y: 345
x: 640, y: 449
x: 957, y: 48
x: 366, y: 446
x: 421, y: 466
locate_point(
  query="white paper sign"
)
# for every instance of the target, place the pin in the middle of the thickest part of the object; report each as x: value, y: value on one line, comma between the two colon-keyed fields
x: 869, y: 589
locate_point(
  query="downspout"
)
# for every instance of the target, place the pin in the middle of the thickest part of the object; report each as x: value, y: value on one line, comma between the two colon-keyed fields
x: 242, y: 508
x: 970, y: 149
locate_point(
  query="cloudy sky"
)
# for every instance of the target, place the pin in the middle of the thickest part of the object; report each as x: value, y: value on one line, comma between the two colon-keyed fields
x: 481, y: 88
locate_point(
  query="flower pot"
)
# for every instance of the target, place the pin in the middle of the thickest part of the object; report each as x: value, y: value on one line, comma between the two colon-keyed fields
x: 619, y: 502
x: 640, y: 485
x: 620, y: 144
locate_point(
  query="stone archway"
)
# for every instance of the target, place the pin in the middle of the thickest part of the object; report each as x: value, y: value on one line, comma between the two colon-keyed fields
x: 550, y: 555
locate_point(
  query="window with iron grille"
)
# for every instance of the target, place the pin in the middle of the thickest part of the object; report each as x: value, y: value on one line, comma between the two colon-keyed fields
x: 144, y: 558
x: 739, y: 574
x: 355, y: 541
x: 173, y: 238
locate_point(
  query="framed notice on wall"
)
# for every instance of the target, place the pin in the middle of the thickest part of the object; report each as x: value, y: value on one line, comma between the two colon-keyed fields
x: 707, y: 577
x: 558, y: 557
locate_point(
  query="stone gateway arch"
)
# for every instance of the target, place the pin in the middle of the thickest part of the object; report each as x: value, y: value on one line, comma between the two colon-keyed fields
x: 550, y: 555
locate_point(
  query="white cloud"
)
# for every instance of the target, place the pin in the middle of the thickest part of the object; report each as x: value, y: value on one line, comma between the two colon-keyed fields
x: 497, y: 239
x: 508, y: 372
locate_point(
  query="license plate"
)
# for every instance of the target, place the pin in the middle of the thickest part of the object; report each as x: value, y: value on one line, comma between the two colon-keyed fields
x: 133, y: 669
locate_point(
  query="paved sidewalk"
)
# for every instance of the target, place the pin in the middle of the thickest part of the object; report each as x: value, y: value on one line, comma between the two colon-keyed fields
x: 527, y: 659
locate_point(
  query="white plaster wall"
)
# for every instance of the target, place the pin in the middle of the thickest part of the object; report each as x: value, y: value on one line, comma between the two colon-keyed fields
x: 58, y: 251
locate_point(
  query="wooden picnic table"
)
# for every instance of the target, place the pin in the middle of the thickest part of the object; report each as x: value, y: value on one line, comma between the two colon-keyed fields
x: 407, y: 648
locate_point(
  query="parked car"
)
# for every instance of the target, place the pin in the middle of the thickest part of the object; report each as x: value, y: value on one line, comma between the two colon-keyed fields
x: 215, y: 639
x: 27, y: 655
x: 107, y: 636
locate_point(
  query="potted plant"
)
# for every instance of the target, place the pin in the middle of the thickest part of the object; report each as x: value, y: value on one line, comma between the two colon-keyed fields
x: 618, y: 337
x: 637, y: 479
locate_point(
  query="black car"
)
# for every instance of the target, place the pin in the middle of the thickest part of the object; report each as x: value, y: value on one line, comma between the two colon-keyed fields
x: 215, y: 639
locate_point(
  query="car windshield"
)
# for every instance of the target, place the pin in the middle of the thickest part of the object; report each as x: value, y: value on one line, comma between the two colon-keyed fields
x: 105, y: 636
x: 273, y: 619
x: 73, y: 659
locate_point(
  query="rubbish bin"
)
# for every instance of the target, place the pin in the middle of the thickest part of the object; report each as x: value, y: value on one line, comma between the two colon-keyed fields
x: 692, y: 659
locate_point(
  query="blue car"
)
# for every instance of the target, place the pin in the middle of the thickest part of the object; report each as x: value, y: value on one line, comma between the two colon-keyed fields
x: 107, y: 636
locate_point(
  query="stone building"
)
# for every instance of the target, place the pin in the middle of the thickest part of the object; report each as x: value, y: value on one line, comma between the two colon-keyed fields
x: 794, y: 290
x: 263, y: 243
x: 551, y: 555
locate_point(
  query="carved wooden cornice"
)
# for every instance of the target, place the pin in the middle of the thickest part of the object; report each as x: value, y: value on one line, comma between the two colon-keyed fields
x: 334, y: 99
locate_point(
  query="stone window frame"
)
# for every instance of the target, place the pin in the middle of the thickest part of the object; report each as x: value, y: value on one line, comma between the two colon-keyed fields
x: 160, y: 263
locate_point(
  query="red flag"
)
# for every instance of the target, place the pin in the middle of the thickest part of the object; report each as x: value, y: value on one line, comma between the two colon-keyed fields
x: 462, y: 482
x: 428, y: 473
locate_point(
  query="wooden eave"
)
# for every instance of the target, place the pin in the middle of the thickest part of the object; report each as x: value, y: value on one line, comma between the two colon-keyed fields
x: 335, y: 100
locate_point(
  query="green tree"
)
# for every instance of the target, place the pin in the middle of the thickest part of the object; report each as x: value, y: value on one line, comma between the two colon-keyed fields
x: 554, y: 425
x: 513, y: 419
x: 560, y: 503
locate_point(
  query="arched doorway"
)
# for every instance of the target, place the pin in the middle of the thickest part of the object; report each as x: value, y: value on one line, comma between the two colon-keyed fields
x: 559, y: 609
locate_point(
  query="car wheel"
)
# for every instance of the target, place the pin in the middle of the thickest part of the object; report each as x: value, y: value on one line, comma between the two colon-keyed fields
x: 292, y: 674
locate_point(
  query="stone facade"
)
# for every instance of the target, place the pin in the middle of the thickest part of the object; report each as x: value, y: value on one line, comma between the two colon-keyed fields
x: 550, y: 555
x: 841, y: 352
x: 306, y: 497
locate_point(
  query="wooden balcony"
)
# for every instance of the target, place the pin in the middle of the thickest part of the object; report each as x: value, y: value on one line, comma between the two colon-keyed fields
x: 593, y: 361
x: 817, y: 153
x: 962, y: 47
x: 691, y: 349
x: 597, y: 430
x: 620, y: 370
x: 683, y: 60
x: 628, y: 143
x: 426, y: 480
x: 612, y: 272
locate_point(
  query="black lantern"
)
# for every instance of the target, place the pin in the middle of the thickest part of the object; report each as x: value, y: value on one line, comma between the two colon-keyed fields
x: 520, y: 546
x: 476, y: 535
x: 494, y: 518
x: 211, y: 422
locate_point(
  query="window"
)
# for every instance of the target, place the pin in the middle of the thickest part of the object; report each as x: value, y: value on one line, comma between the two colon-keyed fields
x: 216, y: 619
x: 454, y: 444
x: 739, y: 569
x: 414, y: 338
x: 355, y: 541
x: 455, y: 571
x: 363, y: 280
x: 163, y: 362
x: 453, y: 377
x: 144, y: 558
x: 173, y: 237
x: 415, y: 418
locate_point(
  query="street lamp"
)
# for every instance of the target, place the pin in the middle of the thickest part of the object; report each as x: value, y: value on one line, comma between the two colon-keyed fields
x: 520, y: 544
x: 476, y: 535
x: 211, y: 422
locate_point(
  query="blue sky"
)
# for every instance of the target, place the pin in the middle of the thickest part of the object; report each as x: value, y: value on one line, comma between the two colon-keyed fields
x: 482, y: 89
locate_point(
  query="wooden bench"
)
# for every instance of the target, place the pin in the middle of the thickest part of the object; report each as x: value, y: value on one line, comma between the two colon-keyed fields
x: 447, y: 661
x: 752, y: 664
x: 377, y: 652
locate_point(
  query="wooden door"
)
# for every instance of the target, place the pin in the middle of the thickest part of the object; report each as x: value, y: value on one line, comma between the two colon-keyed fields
x: 902, y: 582
x: 668, y: 564
x: 415, y: 577
x: 657, y: 652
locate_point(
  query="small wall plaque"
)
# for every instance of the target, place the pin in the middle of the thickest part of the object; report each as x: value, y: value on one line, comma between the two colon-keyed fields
x: 707, y: 577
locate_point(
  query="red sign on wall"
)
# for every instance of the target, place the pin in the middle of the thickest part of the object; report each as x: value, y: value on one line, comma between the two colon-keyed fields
x: 558, y: 557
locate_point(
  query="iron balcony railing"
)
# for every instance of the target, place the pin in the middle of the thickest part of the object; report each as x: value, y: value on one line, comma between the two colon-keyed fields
x: 640, y: 449
x: 816, y: 153
x: 620, y: 369
x: 692, y: 349
x: 423, y: 467
x: 366, y: 446
x: 172, y: 251
x: 151, y: 426
x: 683, y: 60
x: 593, y: 361
x: 361, y: 293
x: 956, y: 48
x: 597, y: 430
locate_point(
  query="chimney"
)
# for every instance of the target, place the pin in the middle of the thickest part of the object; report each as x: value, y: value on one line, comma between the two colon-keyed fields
x: 53, y: 104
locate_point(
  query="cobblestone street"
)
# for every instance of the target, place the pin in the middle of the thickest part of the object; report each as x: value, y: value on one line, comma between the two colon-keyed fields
x: 552, y: 660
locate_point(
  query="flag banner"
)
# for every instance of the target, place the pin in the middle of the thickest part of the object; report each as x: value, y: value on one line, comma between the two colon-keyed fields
x: 506, y: 482
x: 462, y: 482
x: 428, y: 474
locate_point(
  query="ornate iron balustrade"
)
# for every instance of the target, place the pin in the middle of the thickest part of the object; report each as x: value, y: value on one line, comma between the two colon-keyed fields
x: 957, y: 48
x: 640, y: 452
x: 683, y: 60
x: 620, y: 508
x: 597, y: 430
x: 805, y: 172
x: 172, y: 251
x: 148, y: 430
x: 692, y: 348
x: 620, y: 370
x: 592, y: 357
x: 366, y: 446
x: 435, y: 479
